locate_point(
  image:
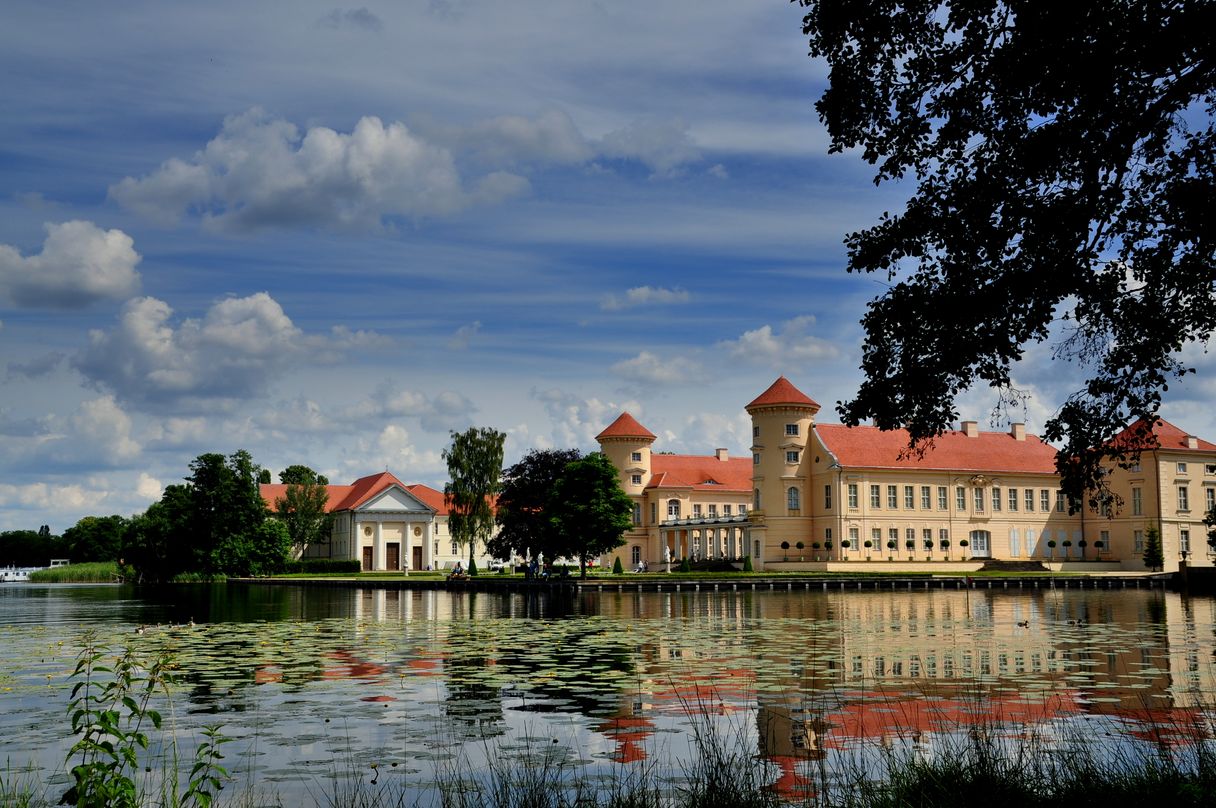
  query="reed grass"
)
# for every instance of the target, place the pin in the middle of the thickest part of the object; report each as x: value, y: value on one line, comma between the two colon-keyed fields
x: 88, y: 573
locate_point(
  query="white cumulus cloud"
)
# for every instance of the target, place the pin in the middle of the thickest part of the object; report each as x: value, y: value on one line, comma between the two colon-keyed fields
x: 662, y: 145
x: 793, y: 343
x: 645, y: 296
x: 79, y: 264
x: 649, y: 369
x: 261, y: 172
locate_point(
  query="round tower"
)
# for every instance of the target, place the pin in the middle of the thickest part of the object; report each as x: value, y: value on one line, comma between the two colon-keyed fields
x: 627, y: 444
x: 782, y: 418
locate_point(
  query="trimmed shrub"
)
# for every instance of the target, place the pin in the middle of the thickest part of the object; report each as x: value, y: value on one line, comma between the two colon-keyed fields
x: 472, y: 568
x: 617, y: 567
x: 747, y: 564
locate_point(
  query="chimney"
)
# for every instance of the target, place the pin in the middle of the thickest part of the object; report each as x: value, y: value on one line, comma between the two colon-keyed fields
x: 1018, y: 431
x: 1192, y: 442
x: 721, y: 454
x: 971, y: 428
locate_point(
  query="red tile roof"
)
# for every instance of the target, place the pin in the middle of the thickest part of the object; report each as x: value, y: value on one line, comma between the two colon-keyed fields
x: 782, y: 392
x: 430, y: 497
x: 625, y: 426
x: 700, y: 472
x: 870, y: 447
x: 348, y: 497
x: 1168, y: 437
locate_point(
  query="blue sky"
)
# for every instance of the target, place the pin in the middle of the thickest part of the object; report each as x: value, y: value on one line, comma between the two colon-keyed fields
x: 330, y: 234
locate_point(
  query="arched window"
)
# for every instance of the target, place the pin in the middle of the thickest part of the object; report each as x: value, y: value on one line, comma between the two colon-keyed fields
x: 791, y: 498
x: 673, y: 509
x: 756, y: 499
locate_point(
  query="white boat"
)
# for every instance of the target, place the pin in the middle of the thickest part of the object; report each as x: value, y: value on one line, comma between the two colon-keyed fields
x: 16, y: 574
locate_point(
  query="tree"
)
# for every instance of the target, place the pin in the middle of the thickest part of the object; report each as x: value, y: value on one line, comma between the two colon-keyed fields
x: 27, y: 548
x: 303, y: 508
x: 95, y: 538
x: 588, y: 509
x: 301, y: 475
x: 521, y: 514
x: 1153, y: 558
x: 1209, y: 521
x: 474, y: 467
x: 1064, y: 157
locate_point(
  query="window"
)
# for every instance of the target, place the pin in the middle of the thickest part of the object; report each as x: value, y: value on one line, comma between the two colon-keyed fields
x: 943, y: 535
x: 926, y: 497
x: 455, y: 548
x: 893, y: 535
x: 1182, y: 468
x: 743, y: 506
x: 942, y: 498
x: 791, y: 500
x: 654, y: 512
x: 791, y: 430
x: 636, y: 479
x: 1059, y: 502
x: 755, y: 432
x: 637, y: 457
x: 827, y: 534
x: 636, y: 555
x: 892, y: 496
x: 1209, y: 469
x: 996, y: 499
x: 875, y: 497
x: 713, y: 510
x: 1184, y: 503
x: 726, y: 510
x: 827, y: 497
x: 637, y: 513
x: 1138, y: 542
x: 927, y: 535
x: 909, y: 497
x: 696, y: 511
x: 1209, y: 500
x: 1013, y: 499
x: 756, y: 499
x: 1184, y: 541
x: 910, y: 535
x: 979, y: 500
x: 755, y: 458
x: 673, y: 509
x: 1029, y: 499
x: 1137, y: 502
x: 960, y: 498
x: 876, y: 535
x: 852, y: 495
x: 1044, y: 500
x: 791, y: 457
x: 1104, y: 537
x: 853, y: 535
x: 1134, y: 468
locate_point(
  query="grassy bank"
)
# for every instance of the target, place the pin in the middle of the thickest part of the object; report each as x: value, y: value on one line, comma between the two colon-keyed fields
x: 90, y: 573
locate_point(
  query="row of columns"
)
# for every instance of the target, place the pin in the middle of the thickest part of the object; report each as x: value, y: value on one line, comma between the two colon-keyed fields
x: 704, y: 542
x: 379, y: 543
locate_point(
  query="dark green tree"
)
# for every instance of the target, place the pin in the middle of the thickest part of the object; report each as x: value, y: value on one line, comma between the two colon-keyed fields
x: 95, y: 538
x: 303, y: 508
x: 1063, y: 157
x: 301, y: 475
x: 28, y: 548
x: 1209, y: 520
x: 154, y: 542
x: 589, y: 509
x: 524, y: 527
x: 474, y: 470
x: 1153, y: 557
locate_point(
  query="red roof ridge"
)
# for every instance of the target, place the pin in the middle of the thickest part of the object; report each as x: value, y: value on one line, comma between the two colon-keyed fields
x: 782, y: 393
x: 625, y: 426
x: 1168, y: 436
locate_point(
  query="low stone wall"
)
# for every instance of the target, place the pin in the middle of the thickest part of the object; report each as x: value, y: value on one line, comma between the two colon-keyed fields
x: 1085, y: 566
x: 868, y: 567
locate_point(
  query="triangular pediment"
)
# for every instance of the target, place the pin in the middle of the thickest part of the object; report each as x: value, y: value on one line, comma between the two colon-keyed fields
x: 395, y: 498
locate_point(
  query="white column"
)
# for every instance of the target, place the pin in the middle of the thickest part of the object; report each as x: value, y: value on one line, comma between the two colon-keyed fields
x: 378, y: 549
x: 428, y: 543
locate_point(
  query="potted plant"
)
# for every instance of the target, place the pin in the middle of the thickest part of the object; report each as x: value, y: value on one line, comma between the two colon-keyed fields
x: 1082, y: 544
x: 785, y: 546
x: 964, y: 543
x: 1098, y: 545
x: 868, y: 545
x: 890, y: 549
x: 910, y: 546
x: 800, y: 547
x: 1051, y: 548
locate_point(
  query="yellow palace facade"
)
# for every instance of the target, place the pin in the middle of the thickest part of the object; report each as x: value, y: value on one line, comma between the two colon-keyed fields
x: 819, y: 496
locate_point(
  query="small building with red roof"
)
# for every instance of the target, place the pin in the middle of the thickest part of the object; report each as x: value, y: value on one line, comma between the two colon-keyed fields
x: 816, y: 494
x: 385, y: 524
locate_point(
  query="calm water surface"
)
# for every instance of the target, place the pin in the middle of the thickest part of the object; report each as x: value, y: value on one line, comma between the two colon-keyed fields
x: 315, y: 681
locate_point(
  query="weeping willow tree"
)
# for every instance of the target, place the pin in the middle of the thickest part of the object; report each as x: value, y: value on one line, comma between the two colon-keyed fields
x: 474, y: 470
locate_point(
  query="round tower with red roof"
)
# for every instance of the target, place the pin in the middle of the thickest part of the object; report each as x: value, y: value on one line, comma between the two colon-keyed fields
x: 627, y: 444
x: 782, y: 419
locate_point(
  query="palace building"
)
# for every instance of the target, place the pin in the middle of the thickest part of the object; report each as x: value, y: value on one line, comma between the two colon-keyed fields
x: 823, y: 494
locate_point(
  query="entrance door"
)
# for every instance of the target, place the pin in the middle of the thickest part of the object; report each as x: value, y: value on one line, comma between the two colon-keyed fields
x: 367, y: 558
x: 981, y: 545
x: 393, y: 551
x: 417, y: 562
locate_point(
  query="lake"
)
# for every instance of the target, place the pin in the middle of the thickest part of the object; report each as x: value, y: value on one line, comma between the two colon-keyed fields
x: 418, y: 686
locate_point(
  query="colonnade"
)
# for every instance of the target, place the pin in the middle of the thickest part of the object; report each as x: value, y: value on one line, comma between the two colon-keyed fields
x: 704, y: 542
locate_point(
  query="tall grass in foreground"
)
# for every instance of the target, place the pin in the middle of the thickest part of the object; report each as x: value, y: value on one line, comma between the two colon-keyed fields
x: 87, y: 573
